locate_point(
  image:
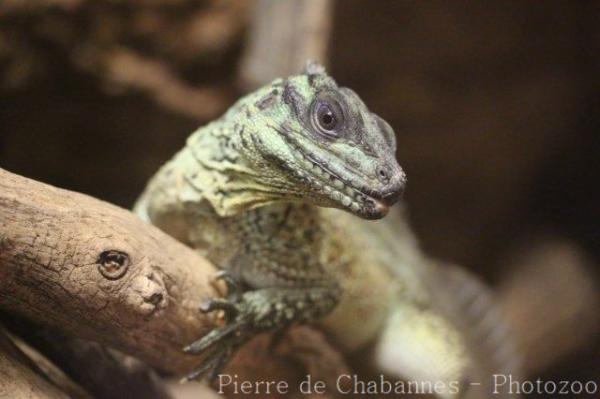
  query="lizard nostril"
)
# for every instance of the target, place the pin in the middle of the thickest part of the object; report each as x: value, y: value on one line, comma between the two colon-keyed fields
x: 383, y: 175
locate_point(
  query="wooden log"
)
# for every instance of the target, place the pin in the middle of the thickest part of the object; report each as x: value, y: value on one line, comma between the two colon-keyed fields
x: 96, y: 271
x: 550, y: 298
x: 18, y: 381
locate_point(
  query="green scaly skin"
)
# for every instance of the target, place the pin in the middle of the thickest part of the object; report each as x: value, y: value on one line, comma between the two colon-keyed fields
x: 254, y: 192
x: 246, y: 192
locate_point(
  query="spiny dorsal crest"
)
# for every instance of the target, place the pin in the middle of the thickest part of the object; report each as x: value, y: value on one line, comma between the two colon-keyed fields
x: 313, y: 68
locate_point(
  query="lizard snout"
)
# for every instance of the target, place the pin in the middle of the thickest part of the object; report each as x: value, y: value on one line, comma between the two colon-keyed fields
x: 393, y: 196
x: 395, y: 184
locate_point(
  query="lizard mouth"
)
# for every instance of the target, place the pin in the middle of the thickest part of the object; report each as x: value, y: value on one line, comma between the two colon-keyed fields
x: 364, y: 203
x: 367, y: 204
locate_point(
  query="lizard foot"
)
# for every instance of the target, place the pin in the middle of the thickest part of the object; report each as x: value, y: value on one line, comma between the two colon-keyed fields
x: 267, y: 309
x: 213, y: 364
x: 228, y: 336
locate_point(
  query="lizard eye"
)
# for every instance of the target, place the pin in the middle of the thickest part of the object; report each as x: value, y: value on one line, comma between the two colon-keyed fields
x: 327, y: 117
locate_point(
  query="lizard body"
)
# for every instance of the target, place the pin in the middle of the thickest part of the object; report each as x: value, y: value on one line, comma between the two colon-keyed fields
x: 246, y: 188
x: 254, y: 192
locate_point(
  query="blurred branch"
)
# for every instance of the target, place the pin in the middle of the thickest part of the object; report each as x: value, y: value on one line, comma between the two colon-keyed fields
x: 283, y: 35
x: 22, y: 6
x: 18, y: 380
x: 177, y: 52
x: 102, y: 372
x: 551, y: 300
x: 123, y: 69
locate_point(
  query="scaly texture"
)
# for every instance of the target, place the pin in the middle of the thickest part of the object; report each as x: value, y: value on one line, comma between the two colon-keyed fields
x: 253, y: 192
x: 245, y: 192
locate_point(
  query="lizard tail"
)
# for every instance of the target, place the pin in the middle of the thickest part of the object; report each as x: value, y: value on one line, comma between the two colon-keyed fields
x: 459, y: 339
x: 491, y: 343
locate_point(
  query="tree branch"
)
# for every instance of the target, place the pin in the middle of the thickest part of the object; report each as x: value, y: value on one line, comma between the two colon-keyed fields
x: 96, y: 271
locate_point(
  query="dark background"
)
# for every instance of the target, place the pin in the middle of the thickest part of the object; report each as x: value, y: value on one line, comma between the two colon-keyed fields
x: 495, y: 105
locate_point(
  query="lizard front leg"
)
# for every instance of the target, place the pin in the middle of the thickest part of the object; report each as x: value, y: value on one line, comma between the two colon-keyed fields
x: 265, y: 309
x: 278, y: 261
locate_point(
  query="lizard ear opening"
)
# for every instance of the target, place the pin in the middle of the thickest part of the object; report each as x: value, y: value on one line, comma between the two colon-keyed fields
x: 313, y: 68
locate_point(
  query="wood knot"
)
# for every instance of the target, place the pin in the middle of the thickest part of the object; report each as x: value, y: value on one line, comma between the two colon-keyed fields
x: 113, y: 264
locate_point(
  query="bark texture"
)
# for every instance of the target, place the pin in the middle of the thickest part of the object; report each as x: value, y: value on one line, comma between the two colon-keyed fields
x: 94, y: 271
x: 98, y: 272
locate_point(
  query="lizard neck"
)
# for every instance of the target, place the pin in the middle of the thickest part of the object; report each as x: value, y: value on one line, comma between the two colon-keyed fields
x: 216, y: 167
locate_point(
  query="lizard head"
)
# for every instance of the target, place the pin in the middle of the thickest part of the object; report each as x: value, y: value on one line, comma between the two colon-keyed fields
x: 324, y: 139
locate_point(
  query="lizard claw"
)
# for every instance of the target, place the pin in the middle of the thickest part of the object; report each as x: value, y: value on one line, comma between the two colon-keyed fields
x: 233, y: 286
x: 212, y: 337
x: 250, y: 313
x: 220, y: 304
x: 229, y: 337
x: 212, y: 367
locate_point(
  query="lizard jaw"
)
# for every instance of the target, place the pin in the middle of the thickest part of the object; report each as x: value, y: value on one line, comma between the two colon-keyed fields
x: 369, y: 206
x: 362, y: 202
